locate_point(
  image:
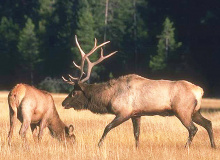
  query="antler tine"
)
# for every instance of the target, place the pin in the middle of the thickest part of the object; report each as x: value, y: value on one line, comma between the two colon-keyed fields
x: 109, y: 55
x: 73, y: 78
x: 83, y: 58
x: 103, y: 57
x: 76, y: 65
x: 68, y: 81
x: 64, y: 79
x: 80, y: 49
x: 95, y: 43
x: 96, y: 47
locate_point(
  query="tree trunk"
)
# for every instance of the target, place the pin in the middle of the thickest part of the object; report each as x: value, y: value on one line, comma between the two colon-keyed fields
x: 106, y: 19
x: 135, y: 37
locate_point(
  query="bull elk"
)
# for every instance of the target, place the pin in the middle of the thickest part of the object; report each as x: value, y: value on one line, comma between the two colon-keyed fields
x: 133, y: 96
x: 34, y: 107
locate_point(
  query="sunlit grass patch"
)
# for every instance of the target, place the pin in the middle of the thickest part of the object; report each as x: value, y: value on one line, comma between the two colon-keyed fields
x: 160, y: 138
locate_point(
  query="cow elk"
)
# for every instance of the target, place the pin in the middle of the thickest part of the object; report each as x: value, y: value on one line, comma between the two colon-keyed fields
x: 34, y: 107
x: 133, y: 96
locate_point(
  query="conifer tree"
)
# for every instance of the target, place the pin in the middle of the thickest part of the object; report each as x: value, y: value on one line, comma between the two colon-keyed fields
x: 8, y: 41
x: 59, y: 32
x: 28, y: 46
x: 166, y: 47
x: 85, y: 26
x: 85, y: 33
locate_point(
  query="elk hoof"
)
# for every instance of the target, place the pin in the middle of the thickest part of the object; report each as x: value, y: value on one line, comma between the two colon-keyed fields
x: 100, y: 144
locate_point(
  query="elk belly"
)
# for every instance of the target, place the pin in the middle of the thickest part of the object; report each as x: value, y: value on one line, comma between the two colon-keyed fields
x: 36, y: 117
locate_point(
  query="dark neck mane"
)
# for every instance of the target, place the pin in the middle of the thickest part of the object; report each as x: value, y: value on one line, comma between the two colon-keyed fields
x: 98, y: 97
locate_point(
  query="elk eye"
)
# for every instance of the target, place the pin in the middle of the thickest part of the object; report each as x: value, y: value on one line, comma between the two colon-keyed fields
x: 73, y: 94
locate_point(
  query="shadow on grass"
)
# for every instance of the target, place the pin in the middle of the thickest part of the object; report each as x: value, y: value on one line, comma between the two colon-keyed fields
x: 210, y: 110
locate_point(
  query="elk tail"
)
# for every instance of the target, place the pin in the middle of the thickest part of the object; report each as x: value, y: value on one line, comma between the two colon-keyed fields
x: 16, y: 95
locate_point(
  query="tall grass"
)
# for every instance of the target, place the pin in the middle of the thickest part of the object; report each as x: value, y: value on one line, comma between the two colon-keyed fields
x: 161, y: 138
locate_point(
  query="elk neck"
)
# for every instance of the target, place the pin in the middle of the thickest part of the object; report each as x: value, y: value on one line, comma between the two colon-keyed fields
x: 97, y: 97
x: 56, y: 125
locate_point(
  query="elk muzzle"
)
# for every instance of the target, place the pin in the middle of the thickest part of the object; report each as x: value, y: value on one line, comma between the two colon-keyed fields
x: 66, y: 104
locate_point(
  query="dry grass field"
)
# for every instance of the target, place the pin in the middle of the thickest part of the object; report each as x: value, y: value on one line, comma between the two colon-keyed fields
x: 161, y: 137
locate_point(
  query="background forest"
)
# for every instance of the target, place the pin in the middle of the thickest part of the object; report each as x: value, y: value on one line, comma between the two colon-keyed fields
x: 154, y: 38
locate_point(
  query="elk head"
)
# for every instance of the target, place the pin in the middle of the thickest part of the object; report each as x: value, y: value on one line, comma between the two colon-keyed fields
x: 77, y: 98
x: 69, y: 132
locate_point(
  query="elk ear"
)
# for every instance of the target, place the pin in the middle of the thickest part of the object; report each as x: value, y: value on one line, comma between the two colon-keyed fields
x: 71, y: 129
x: 73, y: 93
x: 71, y: 134
x: 79, y: 87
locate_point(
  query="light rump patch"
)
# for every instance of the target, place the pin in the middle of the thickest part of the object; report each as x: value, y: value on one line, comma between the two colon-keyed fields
x: 17, y: 94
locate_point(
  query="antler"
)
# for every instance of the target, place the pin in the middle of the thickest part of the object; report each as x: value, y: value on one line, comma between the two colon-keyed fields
x: 90, y: 64
x: 70, y: 79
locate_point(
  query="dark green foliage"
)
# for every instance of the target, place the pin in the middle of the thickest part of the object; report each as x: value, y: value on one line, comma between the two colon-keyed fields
x: 55, y: 85
x: 28, y: 45
x: 28, y: 48
x: 8, y: 41
x: 57, y: 35
x: 166, y: 47
x: 45, y: 29
x: 85, y: 26
x: 8, y: 46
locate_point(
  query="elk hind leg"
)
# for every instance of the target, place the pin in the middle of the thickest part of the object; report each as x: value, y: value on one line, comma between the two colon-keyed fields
x: 13, y: 117
x: 34, y: 131
x: 207, y: 124
x: 116, y: 121
x: 25, y: 125
x: 192, y: 129
x: 136, y: 127
x: 186, y: 120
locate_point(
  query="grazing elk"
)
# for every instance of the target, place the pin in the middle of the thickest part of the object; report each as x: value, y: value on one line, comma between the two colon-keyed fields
x: 34, y: 107
x: 133, y: 96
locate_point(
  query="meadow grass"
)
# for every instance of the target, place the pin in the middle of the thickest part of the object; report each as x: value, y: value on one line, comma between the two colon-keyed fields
x: 160, y: 138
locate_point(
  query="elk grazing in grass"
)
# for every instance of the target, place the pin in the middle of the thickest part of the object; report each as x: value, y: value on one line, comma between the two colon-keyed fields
x: 34, y: 107
x: 133, y: 96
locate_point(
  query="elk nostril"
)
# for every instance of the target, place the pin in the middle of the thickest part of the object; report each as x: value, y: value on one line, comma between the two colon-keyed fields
x: 63, y: 104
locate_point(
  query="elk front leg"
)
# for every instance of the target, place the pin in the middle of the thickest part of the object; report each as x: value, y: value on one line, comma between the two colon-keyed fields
x: 41, y: 128
x: 13, y: 117
x: 136, y: 127
x: 116, y: 121
x: 200, y: 120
